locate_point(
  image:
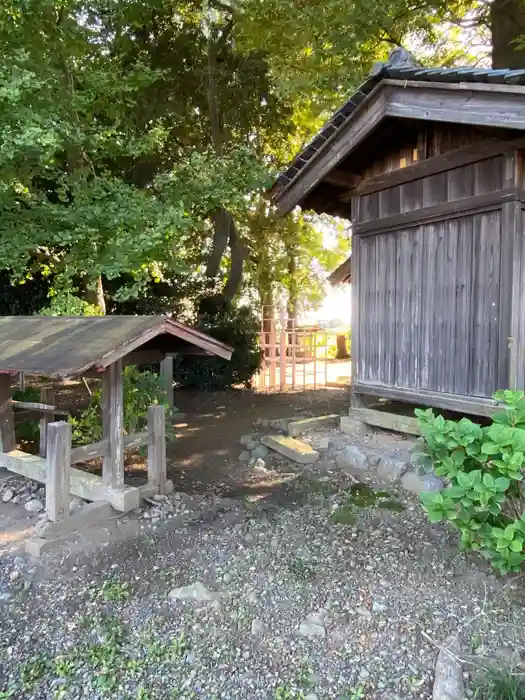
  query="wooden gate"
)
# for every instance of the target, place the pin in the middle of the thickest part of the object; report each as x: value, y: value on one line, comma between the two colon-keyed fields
x: 299, y: 356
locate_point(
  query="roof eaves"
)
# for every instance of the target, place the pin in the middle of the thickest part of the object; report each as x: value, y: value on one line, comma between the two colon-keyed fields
x: 400, y: 66
x: 327, y: 133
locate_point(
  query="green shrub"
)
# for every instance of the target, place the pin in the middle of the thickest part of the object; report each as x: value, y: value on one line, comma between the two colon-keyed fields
x: 141, y: 390
x: 485, y: 498
x: 238, y: 328
x: 28, y: 430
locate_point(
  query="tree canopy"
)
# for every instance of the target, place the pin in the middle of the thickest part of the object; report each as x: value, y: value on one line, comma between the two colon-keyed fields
x: 138, y: 137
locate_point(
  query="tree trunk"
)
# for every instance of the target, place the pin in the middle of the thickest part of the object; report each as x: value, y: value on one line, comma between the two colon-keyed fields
x: 94, y: 294
x: 508, y: 25
x: 224, y: 230
x: 234, y: 280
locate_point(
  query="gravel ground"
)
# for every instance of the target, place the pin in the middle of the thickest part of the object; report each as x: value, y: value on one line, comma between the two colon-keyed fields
x: 300, y: 595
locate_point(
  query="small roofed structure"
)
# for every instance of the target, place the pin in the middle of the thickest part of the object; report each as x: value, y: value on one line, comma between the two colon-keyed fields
x: 342, y: 274
x: 67, y: 347
x: 73, y: 346
x: 429, y: 166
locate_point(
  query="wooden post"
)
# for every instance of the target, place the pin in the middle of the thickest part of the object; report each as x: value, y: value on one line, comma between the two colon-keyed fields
x: 166, y: 376
x: 282, y: 352
x: 157, y: 473
x: 272, y: 352
x: 47, y: 395
x: 315, y: 359
x: 294, y: 351
x: 7, y: 419
x: 113, y: 425
x: 58, y: 450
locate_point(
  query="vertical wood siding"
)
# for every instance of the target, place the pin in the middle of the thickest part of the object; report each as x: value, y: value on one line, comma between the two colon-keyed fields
x: 455, y: 184
x: 427, y: 141
x: 429, y: 306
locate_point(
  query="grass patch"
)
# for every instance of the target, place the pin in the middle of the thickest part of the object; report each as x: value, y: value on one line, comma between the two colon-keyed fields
x: 110, y: 654
x: 33, y: 670
x: 285, y: 693
x: 112, y: 591
x: 319, y: 487
x: 301, y: 568
x: 360, y: 496
x: 500, y: 684
x: 357, y: 693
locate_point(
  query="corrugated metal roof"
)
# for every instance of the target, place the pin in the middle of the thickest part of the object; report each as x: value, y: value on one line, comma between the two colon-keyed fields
x: 64, y: 346
x: 400, y: 66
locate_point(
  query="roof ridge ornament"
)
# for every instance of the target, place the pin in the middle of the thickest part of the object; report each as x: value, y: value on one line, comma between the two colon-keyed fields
x: 401, y: 58
x: 398, y: 58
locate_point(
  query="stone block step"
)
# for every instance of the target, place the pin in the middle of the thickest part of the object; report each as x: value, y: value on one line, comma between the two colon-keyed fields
x: 290, y: 447
x: 297, y: 427
x: 386, y: 421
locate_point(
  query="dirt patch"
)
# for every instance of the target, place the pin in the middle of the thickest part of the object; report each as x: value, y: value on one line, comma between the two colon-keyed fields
x: 205, y: 454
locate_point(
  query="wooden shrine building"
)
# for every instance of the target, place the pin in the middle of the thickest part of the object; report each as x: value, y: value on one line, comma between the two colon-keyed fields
x: 428, y: 164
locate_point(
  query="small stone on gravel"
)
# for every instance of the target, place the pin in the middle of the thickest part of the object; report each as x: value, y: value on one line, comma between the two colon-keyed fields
x: 391, y: 469
x: 310, y: 629
x: 363, y: 612
x: 417, y: 483
x: 7, y: 495
x: 353, y: 459
x: 196, y: 591
x: 258, y: 627
x: 260, y: 451
x: 34, y: 506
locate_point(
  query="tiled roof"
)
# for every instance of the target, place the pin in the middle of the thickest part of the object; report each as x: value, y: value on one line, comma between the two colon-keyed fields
x: 400, y: 66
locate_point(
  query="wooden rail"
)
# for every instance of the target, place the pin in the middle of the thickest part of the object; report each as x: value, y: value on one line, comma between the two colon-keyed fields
x: 62, y: 479
x: 95, y: 450
x: 41, y: 407
x: 92, y: 451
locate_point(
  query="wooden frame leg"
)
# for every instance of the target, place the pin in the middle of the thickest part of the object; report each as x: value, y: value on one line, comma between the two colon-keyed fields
x: 113, y: 425
x: 58, y: 450
x: 157, y: 470
x: 7, y: 418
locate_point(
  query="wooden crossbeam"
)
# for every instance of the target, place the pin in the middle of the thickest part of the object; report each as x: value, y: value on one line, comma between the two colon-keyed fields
x: 88, y: 486
x: 341, y: 178
x: 42, y: 407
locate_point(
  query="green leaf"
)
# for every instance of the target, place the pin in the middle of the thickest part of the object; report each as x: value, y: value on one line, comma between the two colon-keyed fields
x: 488, y: 480
x: 456, y: 491
x: 502, y: 483
x: 464, y: 480
x: 435, y: 516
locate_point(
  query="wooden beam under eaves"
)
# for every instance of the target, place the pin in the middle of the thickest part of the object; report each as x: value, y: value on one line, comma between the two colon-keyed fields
x: 341, y: 178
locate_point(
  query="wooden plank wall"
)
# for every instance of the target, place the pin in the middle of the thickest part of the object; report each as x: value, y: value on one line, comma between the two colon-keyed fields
x: 432, y: 311
x: 428, y: 141
x: 459, y: 183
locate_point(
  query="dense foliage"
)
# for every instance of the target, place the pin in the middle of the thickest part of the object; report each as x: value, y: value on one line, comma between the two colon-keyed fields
x: 485, y: 467
x: 141, y: 390
x: 239, y: 328
x: 138, y: 137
